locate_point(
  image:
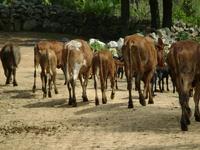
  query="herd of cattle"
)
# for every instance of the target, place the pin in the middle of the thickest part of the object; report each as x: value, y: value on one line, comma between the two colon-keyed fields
x: 143, y: 59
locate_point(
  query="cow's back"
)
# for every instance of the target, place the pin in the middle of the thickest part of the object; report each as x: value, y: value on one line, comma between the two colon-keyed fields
x: 56, y: 46
x: 10, y: 55
x: 104, y: 60
x: 87, y: 52
x: 141, y: 51
x: 185, y: 54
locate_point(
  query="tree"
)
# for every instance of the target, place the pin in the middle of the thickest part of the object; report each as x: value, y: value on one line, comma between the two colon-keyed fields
x: 125, y: 14
x: 155, y: 18
x: 167, y: 13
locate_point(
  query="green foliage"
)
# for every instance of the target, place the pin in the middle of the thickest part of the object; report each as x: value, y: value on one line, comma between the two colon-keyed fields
x: 96, y: 46
x: 182, y: 36
x: 97, y: 7
x: 46, y: 2
x: 187, y: 11
x: 188, y: 7
x: 142, y: 12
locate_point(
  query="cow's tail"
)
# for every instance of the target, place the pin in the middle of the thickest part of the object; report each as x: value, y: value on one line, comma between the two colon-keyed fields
x: 101, y: 69
x: 66, y: 65
x: 137, y: 57
x: 12, y: 54
x: 48, y: 70
x: 177, y: 61
x: 177, y: 69
x: 130, y: 62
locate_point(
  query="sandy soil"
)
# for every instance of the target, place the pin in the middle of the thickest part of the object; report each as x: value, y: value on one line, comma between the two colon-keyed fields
x: 27, y: 121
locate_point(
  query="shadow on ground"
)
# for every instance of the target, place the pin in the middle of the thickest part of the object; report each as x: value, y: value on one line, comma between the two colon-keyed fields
x: 20, y: 94
x: 56, y: 103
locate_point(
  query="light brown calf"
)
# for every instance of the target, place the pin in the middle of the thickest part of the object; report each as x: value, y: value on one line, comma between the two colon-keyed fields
x: 48, y: 62
x: 104, y: 61
x: 56, y: 46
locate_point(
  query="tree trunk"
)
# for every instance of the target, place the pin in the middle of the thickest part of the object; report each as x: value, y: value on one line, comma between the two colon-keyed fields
x: 125, y: 15
x: 155, y: 18
x: 167, y: 13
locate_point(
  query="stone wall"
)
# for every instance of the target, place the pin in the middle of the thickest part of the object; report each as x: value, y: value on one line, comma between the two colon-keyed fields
x: 30, y: 16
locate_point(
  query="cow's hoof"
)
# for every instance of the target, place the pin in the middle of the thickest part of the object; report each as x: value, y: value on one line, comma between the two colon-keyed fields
x: 189, y: 112
x: 188, y: 121
x: 56, y: 91
x: 142, y: 100
x: 197, y: 118
x: 104, y: 100
x: 112, y: 96
x: 151, y: 102
x: 49, y: 94
x: 184, y: 127
x: 7, y: 82
x: 15, y: 84
x: 96, y: 101
x: 70, y: 102
x: 44, y: 95
x: 130, y: 105
x: 74, y: 104
x: 33, y: 89
x: 85, y: 99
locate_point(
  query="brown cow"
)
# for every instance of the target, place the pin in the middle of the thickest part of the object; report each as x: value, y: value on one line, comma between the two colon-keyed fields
x: 103, y: 61
x: 10, y: 57
x: 48, y: 63
x: 183, y: 60
x: 56, y: 46
x: 140, y: 58
x: 77, y: 60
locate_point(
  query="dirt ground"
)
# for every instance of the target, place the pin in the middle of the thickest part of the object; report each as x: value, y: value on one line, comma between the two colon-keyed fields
x: 29, y: 122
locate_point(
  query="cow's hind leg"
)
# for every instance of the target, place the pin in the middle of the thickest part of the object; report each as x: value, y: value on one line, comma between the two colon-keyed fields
x: 167, y: 78
x: 84, y: 80
x: 186, y: 112
x: 116, y: 85
x: 159, y: 83
x: 44, y: 83
x: 147, y: 89
x: 70, y: 94
x: 112, y: 80
x: 34, y: 82
x: 49, y: 78
x: 95, y: 87
x: 163, y: 88
x: 54, y: 81
x: 103, y: 91
x: 9, y: 76
x: 64, y: 72
x: 130, y: 101
x: 73, y: 84
x: 196, y: 101
x: 14, y: 77
x: 141, y: 96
